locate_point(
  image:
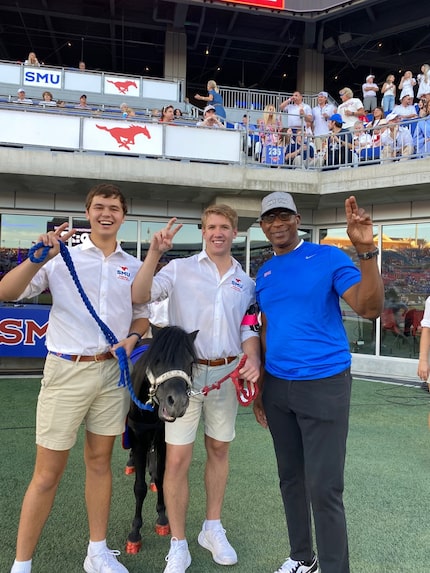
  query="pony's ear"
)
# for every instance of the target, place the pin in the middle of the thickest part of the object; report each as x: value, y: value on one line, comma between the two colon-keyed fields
x: 192, y: 335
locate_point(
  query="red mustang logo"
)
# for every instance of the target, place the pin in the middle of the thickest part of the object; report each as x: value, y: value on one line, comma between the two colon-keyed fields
x: 122, y: 87
x: 124, y: 136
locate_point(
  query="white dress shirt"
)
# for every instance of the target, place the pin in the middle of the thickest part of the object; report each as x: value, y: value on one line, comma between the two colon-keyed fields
x: 107, y: 284
x: 199, y: 299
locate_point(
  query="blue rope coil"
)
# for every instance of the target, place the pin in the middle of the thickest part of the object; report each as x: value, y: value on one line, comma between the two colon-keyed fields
x: 125, y: 379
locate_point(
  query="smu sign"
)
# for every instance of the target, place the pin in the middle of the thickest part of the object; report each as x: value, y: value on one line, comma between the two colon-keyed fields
x: 42, y: 78
x: 23, y: 329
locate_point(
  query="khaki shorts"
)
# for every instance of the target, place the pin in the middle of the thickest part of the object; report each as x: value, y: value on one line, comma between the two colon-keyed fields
x: 219, y: 408
x: 76, y: 392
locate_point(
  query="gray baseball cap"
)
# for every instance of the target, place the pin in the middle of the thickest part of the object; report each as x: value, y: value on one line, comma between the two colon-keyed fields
x: 278, y: 200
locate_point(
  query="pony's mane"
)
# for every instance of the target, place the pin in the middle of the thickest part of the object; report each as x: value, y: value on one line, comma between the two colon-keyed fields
x: 171, y: 347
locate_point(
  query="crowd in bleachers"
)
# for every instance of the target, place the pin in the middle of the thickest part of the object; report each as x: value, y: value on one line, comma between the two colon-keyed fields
x: 294, y: 133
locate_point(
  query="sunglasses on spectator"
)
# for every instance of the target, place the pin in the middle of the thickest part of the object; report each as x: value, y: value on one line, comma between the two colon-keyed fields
x: 341, y: 93
x: 282, y: 215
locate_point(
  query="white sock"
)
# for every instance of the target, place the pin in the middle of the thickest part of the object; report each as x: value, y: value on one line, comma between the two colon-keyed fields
x: 96, y: 547
x: 21, y: 567
x: 182, y: 543
x: 212, y: 524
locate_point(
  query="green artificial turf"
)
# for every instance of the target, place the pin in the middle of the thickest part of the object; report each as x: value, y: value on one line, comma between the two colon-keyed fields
x: 387, y: 491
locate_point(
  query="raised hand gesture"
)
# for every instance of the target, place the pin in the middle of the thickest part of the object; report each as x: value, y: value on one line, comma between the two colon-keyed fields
x: 162, y: 240
x: 359, y: 224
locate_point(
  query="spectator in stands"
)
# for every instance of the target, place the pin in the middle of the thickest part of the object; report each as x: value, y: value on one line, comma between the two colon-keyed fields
x: 424, y: 81
x: 370, y: 89
x: 388, y: 93
x: 82, y: 103
x: 406, y: 109
x: 31, y: 60
x: 127, y: 111
x: 362, y: 140
x: 373, y: 127
x: 167, y: 114
x: 81, y: 65
x: 270, y: 127
x: 350, y: 109
x: 422, y: 133
x: 177, y: 113
x: 299, y: 151
x: 210, y: 119
x: 21, y: 98
x: 214, y: 98
x: 297, y: 111
x: 420, y: 107
x: 339, y: 143
x: 396, y: 140
x: 47, y: 100
x: 378, y: 114
x: 321, y: 114
x: 407, y: 84
x: 249, y: 134
x: 155, y: 114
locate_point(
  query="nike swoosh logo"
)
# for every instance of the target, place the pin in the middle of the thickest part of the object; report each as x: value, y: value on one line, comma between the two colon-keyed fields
x: 310, y: 256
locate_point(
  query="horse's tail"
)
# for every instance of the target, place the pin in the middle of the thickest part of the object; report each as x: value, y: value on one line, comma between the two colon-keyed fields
x: 102, y: 127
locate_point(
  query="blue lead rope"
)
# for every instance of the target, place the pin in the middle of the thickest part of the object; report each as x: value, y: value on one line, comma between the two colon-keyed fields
x: 125, y: 379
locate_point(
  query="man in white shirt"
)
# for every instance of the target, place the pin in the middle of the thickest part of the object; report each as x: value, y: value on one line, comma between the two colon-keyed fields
x: 321, y: 114
x: 21, y: 98
x: 297, y: 111
x: 208, y: 292
x: 81, y: 375
x: 406, y: 109
x: 350, y: 109
x: 370, y: 89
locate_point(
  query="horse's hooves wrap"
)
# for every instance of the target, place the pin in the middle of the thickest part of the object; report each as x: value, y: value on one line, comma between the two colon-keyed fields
x: 129, y: 470
x: 133, y: 547
x: 153, y: 487
x: 162, y: 529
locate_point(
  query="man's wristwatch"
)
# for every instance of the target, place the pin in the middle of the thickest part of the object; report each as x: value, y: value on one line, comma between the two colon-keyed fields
x: 368, y: 255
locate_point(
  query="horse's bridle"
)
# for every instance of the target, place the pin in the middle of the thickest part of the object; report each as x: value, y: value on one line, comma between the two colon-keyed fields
x: 154, y: 382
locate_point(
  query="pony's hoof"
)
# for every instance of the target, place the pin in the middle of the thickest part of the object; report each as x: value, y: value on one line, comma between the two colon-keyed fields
x: 129, y: 470
x: 133, y: 547
x: 162, y: 529
x: 153, y: 487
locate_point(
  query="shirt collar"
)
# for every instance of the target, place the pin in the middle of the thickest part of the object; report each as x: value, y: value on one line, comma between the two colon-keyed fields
x: 88, y: 244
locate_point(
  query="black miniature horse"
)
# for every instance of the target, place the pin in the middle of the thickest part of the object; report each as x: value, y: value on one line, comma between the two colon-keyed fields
x: 162, y: 376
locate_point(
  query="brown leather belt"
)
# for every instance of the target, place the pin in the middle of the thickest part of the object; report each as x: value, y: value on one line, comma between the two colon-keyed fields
x: 217, y: 361
x: 80, y: 358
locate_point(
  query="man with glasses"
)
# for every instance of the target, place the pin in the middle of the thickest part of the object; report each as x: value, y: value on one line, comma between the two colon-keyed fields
x: 306, y: 383
x: 350, y: 109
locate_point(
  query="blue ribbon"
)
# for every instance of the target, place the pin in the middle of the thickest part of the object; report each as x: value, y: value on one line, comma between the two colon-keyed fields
x: 125, y: 379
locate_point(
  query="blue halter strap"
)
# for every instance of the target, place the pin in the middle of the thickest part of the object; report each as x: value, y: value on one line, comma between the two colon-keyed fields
x: 125, y: 379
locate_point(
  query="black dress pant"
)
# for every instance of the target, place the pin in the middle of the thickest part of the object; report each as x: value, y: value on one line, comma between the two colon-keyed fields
x: 308, y: 420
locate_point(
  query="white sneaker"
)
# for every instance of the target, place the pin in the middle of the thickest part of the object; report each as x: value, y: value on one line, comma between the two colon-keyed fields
x: 291, y: 566
x: 178, y: 558
x: 105, y: 562
x: 216, y: 541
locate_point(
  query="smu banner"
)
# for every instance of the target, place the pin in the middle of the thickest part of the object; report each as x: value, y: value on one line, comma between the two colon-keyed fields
x: 23, y: 329
x: 43, y: 78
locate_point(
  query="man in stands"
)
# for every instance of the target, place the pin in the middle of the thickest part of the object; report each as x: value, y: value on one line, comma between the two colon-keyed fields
x: 297, y: 110
x: 21, y: 98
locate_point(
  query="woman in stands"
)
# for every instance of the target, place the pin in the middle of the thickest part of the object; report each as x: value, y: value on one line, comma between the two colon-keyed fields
x: 424, y: 81
x: 270, y: 127
x: 388, y: 92
x: 47, y: 100
x: 126, y: 111
x: 214, y: 98
x: 167, y: 114
x: 31, y: 60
